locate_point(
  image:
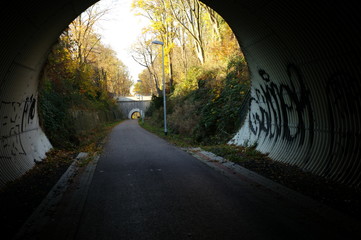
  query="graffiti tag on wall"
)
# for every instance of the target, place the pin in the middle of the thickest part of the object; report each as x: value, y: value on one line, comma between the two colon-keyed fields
x: 282, y: 111
x: 15, y: 118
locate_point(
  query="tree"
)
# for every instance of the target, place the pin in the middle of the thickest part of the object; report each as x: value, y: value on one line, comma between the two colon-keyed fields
x: 107, y: 72
x: 146, y: 86
x: 194, y: 36
x: 214, y: 19
x: 145, y: 55
x: 113, y: 74
x: 190, y: 14
x: 162, y: 27
x: 82, y: 32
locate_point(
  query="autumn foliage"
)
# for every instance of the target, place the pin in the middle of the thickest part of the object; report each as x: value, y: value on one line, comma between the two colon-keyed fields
x: 81, y: 74
x: 206, y: 74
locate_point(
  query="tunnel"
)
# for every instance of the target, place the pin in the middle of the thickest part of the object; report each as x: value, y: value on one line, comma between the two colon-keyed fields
x: 134, y: 114
x: 303, y: 56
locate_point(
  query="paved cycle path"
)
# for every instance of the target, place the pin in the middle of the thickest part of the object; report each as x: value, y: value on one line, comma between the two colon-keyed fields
x: 145, y: 188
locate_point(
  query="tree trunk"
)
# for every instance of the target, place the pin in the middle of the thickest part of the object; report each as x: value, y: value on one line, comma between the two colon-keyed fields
x: 170, y: 69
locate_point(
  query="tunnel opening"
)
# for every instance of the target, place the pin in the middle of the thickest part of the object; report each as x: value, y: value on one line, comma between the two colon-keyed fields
x: 304, y: 106
x: 136, y: 115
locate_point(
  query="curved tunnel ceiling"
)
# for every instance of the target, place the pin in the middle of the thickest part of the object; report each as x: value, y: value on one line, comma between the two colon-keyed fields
x: 304, y: 58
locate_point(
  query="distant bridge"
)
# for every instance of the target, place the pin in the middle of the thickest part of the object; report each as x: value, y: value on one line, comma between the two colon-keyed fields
x: 131, y: 105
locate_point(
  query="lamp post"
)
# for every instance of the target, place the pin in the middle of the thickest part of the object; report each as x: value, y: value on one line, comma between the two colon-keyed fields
x: 164, y: 98
x: 140, y: 95
x: 141, y: 111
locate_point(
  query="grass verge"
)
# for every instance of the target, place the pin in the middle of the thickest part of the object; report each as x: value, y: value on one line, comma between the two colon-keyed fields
x: 175, y: 139
x: 331, y: 193
x: 233, y: 153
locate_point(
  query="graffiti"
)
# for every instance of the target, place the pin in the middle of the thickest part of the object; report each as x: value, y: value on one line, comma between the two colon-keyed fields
x: 282, y: 111
x: 15, y: 118
x: 28, y: 112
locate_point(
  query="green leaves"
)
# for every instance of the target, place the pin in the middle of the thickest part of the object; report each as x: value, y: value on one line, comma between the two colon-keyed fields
x: 210, y: 113
x: 220, y: 117
x: 80, y: 74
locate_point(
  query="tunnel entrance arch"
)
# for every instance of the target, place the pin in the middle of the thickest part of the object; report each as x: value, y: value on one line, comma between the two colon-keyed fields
x: 129, y: 105
x: 134, y: 111
x: 305, y: 99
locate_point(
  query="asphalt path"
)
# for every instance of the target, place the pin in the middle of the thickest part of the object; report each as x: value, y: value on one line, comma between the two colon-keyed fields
x: 146, y: 188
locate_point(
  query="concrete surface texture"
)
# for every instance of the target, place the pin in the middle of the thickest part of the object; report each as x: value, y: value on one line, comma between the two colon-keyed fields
x: 145, y: 188
x: 128, y: 107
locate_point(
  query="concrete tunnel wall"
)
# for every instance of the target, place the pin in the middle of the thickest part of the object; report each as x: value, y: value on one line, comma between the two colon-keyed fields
x: 129, y: 107
x: 304, y: 58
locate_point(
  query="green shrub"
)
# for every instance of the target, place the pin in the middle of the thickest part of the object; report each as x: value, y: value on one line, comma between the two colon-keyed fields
x: 210, y: 112
x: 184, y: 116
x: 220, y: 117
x: 55, y: 118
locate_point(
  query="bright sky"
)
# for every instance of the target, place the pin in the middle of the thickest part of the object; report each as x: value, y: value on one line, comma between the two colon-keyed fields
x: 120, y: 30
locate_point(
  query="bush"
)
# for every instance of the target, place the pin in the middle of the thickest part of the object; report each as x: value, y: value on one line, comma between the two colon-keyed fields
x: 220, y: 117
x: 210, y: 113
x: 63, y: 90
x: 55, y: 118
x: 184, y: 116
